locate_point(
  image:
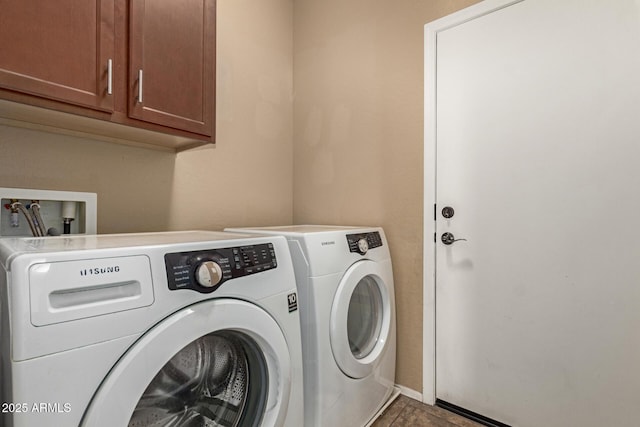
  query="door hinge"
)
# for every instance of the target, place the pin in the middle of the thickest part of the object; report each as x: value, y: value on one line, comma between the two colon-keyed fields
x: 435, y: 210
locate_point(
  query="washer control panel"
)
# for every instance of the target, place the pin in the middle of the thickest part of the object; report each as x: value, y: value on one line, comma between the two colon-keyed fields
x: 362, y: 242
x: 205, y: 270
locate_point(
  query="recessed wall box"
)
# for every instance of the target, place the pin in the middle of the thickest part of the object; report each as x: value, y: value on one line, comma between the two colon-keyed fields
x: 58, y: 210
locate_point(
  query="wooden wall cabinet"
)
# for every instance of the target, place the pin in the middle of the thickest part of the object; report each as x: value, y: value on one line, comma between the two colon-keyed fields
x: 171, y: 60
x: 58, y: 49
x: 146, y: 64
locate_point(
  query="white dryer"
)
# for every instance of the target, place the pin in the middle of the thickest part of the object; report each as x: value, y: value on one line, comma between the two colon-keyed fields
x: 151, y: 329
x: 347, y: 304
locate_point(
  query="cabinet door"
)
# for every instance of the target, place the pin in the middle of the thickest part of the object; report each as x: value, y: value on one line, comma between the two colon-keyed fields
x: 58, y: 49
x: 172, y: 63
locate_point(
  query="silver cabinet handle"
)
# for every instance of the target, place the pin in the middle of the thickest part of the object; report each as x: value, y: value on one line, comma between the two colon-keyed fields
x: 140, y: 86
x: 109, y: 77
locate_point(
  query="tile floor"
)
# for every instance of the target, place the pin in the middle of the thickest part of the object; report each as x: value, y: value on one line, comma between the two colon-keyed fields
x: 404, y: 412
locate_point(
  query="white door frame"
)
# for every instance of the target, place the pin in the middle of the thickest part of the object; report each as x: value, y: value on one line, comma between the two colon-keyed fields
x: 429, y: 249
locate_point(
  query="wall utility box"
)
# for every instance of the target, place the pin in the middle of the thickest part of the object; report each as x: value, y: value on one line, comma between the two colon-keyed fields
x: 77, y: 210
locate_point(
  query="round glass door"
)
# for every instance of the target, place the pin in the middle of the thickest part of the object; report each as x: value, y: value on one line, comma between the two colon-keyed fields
x: 215, y: 363
x: 216, y: 380
x: 361, y: 318
x: 364, y: 317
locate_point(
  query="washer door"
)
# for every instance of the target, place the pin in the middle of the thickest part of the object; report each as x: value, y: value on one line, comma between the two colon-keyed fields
x: 360, y: 319
x: 215, y: 363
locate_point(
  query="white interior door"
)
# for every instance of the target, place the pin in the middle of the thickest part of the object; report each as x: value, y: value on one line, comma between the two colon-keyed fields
x: 538, y: 153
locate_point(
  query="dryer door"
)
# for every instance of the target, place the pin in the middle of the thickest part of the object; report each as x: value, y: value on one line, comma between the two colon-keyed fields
x: 361, y: 318
x: 218, y: 362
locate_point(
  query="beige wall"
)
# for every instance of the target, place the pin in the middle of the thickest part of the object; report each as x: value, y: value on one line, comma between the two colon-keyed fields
x: 358, y: 132
x: 245, y: 179
x: 129, y: 181
x: 347, y: 150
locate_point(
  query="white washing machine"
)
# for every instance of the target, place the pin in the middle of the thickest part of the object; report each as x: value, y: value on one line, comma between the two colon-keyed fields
x: 347, y: 304
x: 151, y: 329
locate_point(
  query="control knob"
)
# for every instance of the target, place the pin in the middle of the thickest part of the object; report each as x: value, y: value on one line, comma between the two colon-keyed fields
x: 208, y: 274
x: 363, y: 246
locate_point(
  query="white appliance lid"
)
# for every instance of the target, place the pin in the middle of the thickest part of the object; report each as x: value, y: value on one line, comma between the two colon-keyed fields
x: 300, y: 229
x: 13, y: 246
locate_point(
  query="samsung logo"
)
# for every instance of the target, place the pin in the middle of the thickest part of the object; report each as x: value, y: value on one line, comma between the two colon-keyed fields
x: 328, y: 243
x: 99, y: 270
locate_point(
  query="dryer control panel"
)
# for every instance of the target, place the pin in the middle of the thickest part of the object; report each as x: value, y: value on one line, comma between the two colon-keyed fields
x: 205, y: 270
x: 362, y: 242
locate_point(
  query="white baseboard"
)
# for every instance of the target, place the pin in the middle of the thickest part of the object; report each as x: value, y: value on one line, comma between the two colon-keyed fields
x: 415, y: 395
